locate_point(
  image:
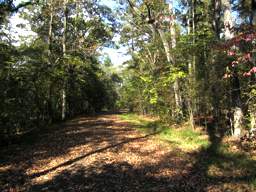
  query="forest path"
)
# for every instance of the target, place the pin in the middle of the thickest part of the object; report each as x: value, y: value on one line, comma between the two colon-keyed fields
x: 104, y: 153
x: 100, y: 153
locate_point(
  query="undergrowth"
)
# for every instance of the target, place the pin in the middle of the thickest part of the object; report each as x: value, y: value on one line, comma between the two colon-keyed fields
x: 182, y: 136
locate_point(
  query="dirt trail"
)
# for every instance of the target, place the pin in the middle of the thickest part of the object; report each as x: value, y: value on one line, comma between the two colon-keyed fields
x: 100, y: 153
x: 97, y: 154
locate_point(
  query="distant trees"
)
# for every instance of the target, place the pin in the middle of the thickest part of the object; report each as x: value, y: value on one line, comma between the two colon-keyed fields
x: 57, y: 75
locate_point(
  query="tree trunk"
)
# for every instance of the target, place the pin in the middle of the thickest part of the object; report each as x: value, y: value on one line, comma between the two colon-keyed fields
x: 63, y: 111
x: 236, y: 104
x: 216, y: 85
x: 253, y: 13
x: 194, y: 39
x: 235, y: 83
x: 217, y: 17
x: 227, y: 19
x: 49, y: 53
x: 191, y: 77
x: 252, y: 121
x: 171, y: 61
x: 252, y: 111
x: 173, y: 46
x: 49, y: 39
x: 166, y: 45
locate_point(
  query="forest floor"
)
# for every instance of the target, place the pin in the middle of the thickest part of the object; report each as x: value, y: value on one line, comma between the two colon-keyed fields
x: 125, y: 153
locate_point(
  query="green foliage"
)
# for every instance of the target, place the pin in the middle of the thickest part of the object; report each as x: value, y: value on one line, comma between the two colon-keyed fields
x: 149, y: 87
x: 183, y: 137
x: 34, y: 74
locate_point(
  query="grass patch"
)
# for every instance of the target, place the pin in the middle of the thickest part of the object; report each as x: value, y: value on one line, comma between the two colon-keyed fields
x: 238, y: 167
x: 133, y: 118
x: 228, y: 165
x: 183, y: 137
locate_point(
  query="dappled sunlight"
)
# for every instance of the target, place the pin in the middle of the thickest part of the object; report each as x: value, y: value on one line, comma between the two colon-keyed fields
x: 206, y: 165
x: 177, y: 115
x: 179, y: 136
x: 112, y: 155
x: 77, y: 141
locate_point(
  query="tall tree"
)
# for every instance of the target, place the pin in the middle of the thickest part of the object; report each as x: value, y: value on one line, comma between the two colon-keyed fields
x: 65, y: 11
x: 156, y: 20
x: 235, y: 82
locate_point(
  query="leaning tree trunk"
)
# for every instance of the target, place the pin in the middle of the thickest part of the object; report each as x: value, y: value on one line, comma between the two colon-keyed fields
x: 171, y: 61
x: 235, y: 82
x: 176, y: 88
x: 156, y: 29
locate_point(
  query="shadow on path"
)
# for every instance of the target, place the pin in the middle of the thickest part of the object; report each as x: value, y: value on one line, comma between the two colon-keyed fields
x: 125, y: 161
x: 169, y: 174
x: 70, y: 162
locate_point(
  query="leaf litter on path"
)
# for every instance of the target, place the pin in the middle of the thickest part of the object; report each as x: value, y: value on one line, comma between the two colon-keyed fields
x: 101, y: 153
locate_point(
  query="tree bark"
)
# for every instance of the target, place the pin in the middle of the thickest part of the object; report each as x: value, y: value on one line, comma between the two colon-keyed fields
x: 63, y: 111
x: 217, y: 17
x: 227, y: 19
x: 191, y: 74
x: 155, y: 28
x: 171, y: 61
x: 49, y: 39
x: 49, y: 54
x: 253, y: 13
x: 235, y: 83
x: 176, y: 88
x: 252, y: 111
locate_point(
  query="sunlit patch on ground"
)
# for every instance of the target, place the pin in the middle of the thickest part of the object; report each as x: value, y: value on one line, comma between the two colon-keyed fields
x: 123, y: 153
